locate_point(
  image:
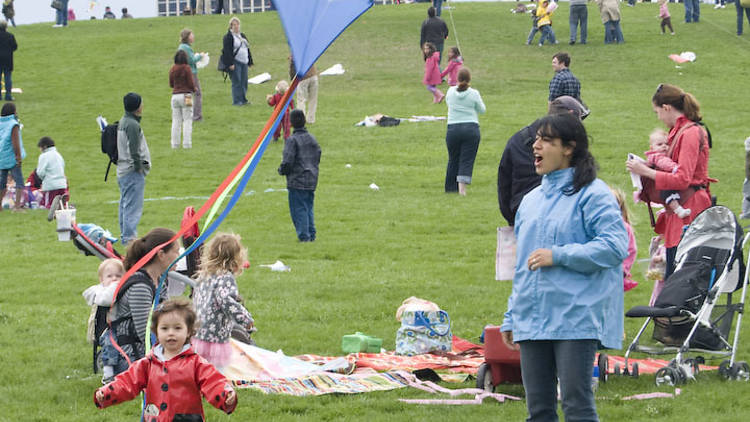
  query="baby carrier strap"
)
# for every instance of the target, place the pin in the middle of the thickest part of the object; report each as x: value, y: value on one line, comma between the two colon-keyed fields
x: 131, y: 336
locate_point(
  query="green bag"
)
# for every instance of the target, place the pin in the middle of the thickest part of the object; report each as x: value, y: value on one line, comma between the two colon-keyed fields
x: 359, y: 342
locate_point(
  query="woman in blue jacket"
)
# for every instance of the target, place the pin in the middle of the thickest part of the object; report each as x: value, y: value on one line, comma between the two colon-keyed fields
x: 567, y: 297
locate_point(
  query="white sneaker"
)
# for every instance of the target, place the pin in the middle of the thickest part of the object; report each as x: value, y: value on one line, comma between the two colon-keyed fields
x: 57, y: 26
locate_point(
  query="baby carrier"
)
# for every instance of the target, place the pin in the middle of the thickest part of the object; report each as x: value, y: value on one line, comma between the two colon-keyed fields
x: 687, y: 315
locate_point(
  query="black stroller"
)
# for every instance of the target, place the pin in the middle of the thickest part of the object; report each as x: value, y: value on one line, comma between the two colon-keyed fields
x: 687, y: 316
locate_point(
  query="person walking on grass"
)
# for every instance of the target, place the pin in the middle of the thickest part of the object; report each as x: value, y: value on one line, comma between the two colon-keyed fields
x: 579, y: 16
x: 133, y: 165
x: 8, y: 46
x: 564, y: 82
x: 462, y: 136
x: 235, y: 54
x: 432, y: 77
x: 183, y: 85
x: 435, y: 31
x: 300, y: 164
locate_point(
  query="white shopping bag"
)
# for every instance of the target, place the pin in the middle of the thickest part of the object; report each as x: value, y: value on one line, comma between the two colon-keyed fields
x: 505, y: 258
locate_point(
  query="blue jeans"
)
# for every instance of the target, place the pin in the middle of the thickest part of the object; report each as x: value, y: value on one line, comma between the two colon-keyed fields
x: 692, y: 10
x: 239, y: 83
x: 108, y: 354
x: 579, y: 13
x: 62, y: 14
x: 543, y: 362
x: 740, y: 11
x: 15, y: 173
x: 613, y: 33
x: 8, y: 82
x: 547, y: 34
x: 462, y: 140
x: 132, y: 187
x: 301, y: 210
x: 532, y: 33
x: 438, y: 6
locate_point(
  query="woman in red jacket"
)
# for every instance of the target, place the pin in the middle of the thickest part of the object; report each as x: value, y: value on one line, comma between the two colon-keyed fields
x: 688, y: 147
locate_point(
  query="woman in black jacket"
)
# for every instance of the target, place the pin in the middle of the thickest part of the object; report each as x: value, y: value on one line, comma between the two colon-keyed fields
x: 237, y: 58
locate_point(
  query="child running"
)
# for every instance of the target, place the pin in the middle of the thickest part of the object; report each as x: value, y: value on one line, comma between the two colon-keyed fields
x: 432, y: 72
x: 51, y: 169
x: 217, y: 299
x: 110, y: 272
x: 544, y: 12
x: 173, y: 376
x: 455, y: 61
x: 666, y: 19
x: 274, y: 99
x: 657, y: 158
x: 627, y: 264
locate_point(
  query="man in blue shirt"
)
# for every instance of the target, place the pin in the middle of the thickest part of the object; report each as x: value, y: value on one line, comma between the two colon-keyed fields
x: 564, y: 82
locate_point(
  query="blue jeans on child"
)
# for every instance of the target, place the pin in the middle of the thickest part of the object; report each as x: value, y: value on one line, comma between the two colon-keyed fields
x: 543, y: 362
x: 301, y: 210
x: 108, y: 355
x: 547, y: 34
x: 132, y: 187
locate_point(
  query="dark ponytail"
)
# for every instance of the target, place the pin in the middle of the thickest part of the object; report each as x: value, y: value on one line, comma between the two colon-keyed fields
x: 142, y: 246
x: 464, y: 79
x: 683, y: 101
x: 571, y: 132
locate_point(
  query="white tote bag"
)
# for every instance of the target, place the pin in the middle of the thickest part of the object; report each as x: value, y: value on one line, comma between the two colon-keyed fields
x: 505, y: 257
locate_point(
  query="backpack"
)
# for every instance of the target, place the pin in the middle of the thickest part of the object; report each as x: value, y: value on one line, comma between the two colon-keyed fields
x: 109, y: 145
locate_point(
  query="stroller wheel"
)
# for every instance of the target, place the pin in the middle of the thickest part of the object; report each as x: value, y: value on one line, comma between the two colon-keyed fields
x: 693, y: 365
x: 740, y: 371
x: 724, y: 369
x: 484, y: 378
x: 603, y: 364
x: 666, y: 376
x: 635, y: 371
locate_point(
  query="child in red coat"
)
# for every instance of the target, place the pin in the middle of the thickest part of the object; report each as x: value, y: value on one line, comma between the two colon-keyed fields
x: 432, y: 71
x: 455, y: 61
x: 172, y: 375
x: 274, y: 99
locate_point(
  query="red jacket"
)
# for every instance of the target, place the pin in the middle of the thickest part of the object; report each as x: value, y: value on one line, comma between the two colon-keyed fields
x: 690, y: 151
x: 432, y: 70
x: 172, y: 388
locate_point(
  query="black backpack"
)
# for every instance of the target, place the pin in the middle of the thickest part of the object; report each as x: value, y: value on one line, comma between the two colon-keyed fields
x: 109, y: 145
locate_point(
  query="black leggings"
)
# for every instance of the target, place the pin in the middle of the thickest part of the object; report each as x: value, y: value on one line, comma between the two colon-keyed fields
x: 668, y: 22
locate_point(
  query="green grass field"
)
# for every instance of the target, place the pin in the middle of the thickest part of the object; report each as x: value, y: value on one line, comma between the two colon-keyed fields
x: 374, y: 249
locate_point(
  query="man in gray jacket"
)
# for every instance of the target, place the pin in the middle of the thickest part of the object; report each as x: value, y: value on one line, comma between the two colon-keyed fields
x: 578, y: 14
x: 133, y: 164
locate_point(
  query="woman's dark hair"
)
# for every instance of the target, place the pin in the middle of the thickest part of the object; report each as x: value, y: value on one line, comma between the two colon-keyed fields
x: 679, y: 99
x: 45, y: 143
x: 9, y: 109
x: 571, y: 132
x: 180, y: 57
x: 432, y: 48
x: 455, y: 52
x: 142, y: 246
x: 464, y: 79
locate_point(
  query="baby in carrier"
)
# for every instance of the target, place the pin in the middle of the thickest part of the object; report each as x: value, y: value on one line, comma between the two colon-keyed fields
x: 102, y: 294
x: 657, y: 158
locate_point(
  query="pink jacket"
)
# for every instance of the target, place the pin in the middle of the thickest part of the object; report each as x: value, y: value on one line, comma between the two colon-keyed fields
x: 452, y: 71
x: 432, y: 70
x: 664, y: 11
x: 661, y: 161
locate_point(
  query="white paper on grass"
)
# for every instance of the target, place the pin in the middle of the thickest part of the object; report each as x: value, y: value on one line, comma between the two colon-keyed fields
x: 277, y: 266
x: 203, y: 62
x: 636, y: 179
x: 259, y: 79
x: 373, y: 186
x: 336, y: 69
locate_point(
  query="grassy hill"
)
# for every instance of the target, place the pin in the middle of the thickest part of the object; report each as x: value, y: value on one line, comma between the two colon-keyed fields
x: 374, y: 249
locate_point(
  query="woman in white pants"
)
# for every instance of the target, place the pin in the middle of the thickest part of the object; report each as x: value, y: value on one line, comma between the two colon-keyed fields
x: 183, y: 85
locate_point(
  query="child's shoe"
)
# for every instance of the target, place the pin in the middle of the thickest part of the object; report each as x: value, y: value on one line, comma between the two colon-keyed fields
x: 440, y: 97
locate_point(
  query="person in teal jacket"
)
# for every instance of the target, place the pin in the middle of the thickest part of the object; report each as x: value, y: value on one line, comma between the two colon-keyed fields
x: 187, y: 38
x: 11, y: 153
x: 567, y: 297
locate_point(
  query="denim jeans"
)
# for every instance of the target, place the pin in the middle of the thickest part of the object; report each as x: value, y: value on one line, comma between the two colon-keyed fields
x: 543, y: 362
x: 132, y: 187
x: 239, y: 83
x: 532, y: 33
x: 613, y: 33
x: 8, y: 82
x: 62, y: 14
x: 301, y: 210
x: 17, y: 175
x: 740, y: 11
x: 462, y: 140
x: 547, y: 34
x: 579, y: 13
x: 438, y: 6
x: 692, y: 10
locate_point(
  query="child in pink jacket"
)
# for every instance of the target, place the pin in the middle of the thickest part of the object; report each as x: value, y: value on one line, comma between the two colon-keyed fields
x: 455, y: 61
x: 432, y: 76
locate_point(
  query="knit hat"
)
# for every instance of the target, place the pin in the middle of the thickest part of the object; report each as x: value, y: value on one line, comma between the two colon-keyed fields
x: 131, y: 101
x: 569, y: 103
